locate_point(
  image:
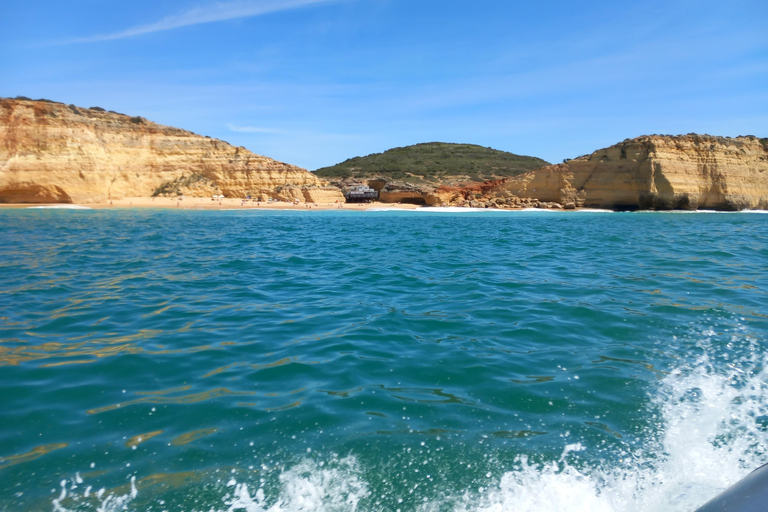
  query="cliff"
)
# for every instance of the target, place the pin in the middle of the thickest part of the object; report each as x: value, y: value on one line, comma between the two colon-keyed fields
x: 51, y: 152
x: 651, y: 172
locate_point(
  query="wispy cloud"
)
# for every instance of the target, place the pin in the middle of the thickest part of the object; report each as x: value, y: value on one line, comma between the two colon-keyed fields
x: 220, y: 11
x: 253, y: 129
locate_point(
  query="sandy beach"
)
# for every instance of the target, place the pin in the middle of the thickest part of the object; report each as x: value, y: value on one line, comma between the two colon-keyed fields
x: 203, y: 203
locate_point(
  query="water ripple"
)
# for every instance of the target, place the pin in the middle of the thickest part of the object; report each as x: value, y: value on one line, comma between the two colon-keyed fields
x: 169, y: 340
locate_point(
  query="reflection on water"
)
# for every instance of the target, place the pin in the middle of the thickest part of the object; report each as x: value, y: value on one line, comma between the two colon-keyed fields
x: 37, y: 451
x: 193, y: 436
x: 138, y: 439
x: 283, y: 407
x: 96, y: 348
x: 185, y: 399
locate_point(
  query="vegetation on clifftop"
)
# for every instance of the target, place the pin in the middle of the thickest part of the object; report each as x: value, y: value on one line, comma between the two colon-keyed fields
x: 434, y: 162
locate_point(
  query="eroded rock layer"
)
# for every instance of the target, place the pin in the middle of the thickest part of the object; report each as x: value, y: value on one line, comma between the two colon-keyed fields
x: 653, y: 172
x: 51, y: 152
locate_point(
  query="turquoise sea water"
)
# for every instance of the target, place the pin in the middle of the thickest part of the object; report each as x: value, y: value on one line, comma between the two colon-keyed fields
x: 379, y: 361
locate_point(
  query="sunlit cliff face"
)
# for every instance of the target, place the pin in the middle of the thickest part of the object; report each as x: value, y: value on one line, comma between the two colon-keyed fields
x: 686, y: 172
x: 52, y: 152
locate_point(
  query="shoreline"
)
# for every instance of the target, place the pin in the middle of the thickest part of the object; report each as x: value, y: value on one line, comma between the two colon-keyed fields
x: 203, y: 203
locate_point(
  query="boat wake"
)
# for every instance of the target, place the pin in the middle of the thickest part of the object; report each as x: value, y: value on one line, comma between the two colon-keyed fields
x: 713, y: 432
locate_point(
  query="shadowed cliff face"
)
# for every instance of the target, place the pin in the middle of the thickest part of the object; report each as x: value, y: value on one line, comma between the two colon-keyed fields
x: 51, y: 152
x: 654, y: 172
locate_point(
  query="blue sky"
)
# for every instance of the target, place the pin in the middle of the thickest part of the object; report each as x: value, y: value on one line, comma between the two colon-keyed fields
x: 314, y: 82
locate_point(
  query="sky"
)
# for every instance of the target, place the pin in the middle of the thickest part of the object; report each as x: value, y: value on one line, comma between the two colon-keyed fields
x: 315, y: 82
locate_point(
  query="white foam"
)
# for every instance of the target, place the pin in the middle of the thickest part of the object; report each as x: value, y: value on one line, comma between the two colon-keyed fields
x: 308, y: 487
x: 708, y: 438
x: 59, y: 207
x: 533, y: 488
x: 710, y: 441
x: 458, y: 209
x: 453, y: 209
x: 112, y: 503
x: 385, y: 209
x: 461, y: 209
x: 691, y: 212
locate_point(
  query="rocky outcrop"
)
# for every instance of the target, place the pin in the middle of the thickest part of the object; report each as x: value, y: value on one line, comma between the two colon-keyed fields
x: 51, y: 152
x: 395, y: 194
x: 323, y: 195
x: 650, y: 172
x: 484, y: 195
x: 391, y: 191
x: 653, y: 172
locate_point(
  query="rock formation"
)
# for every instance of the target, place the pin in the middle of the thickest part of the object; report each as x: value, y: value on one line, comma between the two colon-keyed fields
x: 412, y: 174
x: 652, y: 172
x: 51, y: 152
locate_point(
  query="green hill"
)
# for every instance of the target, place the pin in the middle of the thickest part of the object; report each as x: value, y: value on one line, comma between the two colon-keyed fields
x: 434, y: 162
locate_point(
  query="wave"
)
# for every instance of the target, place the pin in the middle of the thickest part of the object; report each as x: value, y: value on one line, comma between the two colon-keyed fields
x: 712, y: 434
x: 459, y: 209
x: 60, y: 207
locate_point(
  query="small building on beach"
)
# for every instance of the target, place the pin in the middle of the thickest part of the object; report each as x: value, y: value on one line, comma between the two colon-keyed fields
x: 361, y: 194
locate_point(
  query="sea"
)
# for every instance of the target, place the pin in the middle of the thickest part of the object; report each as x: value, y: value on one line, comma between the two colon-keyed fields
x: 432, y: 360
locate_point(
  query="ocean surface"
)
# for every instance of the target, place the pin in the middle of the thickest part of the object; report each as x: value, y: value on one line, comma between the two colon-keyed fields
x: 207, y: 361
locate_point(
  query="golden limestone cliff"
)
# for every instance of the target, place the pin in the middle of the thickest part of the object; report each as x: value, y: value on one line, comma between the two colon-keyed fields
x: 653, y: 172
x: 51, y: 152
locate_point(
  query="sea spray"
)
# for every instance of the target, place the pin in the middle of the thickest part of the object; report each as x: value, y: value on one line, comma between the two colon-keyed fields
x: 76, y: 501
x: 307, y: 486
x: 712, y: 433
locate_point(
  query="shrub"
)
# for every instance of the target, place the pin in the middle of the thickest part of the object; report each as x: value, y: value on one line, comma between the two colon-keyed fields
x: 172, y: 188
x: 435, y: 162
